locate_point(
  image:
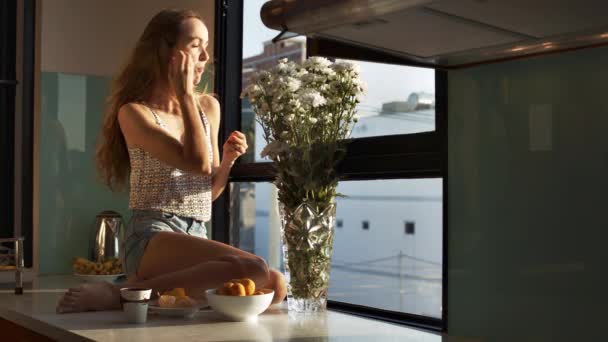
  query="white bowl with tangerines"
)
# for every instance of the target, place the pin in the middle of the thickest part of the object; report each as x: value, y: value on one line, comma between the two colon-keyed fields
x: 239, y: 299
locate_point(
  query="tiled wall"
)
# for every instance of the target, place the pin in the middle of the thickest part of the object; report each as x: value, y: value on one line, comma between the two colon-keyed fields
x: 528, y: 178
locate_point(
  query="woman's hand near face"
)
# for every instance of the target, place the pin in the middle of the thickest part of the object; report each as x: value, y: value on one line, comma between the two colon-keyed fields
x: 234, y: 147
x: 198, y: 74
x: 182, y: 73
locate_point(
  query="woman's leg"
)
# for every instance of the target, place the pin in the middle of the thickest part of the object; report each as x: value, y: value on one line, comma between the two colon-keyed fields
x: 168, y: 252
x: 178, y: 260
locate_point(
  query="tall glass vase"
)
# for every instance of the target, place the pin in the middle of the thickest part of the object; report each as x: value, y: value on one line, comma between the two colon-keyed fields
x: 307, y: 237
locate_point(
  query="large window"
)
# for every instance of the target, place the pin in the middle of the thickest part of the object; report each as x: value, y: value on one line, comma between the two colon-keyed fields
x: 388, y: 258
x: 376, y: 262
x: 399, y: 100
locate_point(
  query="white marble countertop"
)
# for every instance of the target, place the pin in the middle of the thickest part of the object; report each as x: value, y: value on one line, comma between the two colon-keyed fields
x: 35, y: 310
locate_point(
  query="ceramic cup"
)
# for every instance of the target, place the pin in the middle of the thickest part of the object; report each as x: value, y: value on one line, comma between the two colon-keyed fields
x: 135, y: 303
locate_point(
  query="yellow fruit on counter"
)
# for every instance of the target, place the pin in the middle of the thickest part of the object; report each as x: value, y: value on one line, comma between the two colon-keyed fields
x: 111, y: 266
x: 176, y: 292
x: 166, y: 301
x: 239, y: 287
x: 169, y: 301
x: 249, y: 286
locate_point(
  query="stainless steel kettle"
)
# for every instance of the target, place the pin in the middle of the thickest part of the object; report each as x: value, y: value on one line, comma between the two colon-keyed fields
x: 106, y: 237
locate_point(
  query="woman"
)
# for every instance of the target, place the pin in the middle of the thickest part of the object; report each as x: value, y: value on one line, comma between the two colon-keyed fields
x: 165, y: 134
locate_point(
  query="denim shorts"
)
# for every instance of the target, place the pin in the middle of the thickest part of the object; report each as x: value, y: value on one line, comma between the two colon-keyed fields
x: 144, y: 224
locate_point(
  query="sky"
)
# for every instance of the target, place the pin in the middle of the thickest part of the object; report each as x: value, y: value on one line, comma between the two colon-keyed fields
x: 385, y: 82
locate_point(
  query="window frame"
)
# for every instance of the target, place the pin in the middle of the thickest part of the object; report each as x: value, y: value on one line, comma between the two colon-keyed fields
x: 8, y: 89
x: 18, y: 197
x: 408, y: 156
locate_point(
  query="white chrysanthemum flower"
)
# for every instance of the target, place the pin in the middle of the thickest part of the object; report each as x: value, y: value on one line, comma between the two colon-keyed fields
x: 318, y: 100
x: 281, y: 67
x: 317, y: 63
x: 360, y: 86
x: 273, y: 149
x: 313, y: 120
x: 300, y: 72
x: 312, y: 98
x: 289, y: 118
x: 346, y: 67
x: 293, y: 84
x: 327, y: 71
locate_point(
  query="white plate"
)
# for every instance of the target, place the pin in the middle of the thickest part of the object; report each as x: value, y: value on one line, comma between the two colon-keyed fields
x: 174, y: 312
x: 92, y: 278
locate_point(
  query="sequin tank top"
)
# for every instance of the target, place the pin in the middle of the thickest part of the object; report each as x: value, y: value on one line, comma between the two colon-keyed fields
x: 158, y: 186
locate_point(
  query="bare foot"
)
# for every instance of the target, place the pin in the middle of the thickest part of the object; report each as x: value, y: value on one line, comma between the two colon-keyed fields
x: 90, y: 297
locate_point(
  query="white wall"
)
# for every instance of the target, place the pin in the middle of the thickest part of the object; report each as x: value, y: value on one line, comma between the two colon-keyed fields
x: 94, y: 37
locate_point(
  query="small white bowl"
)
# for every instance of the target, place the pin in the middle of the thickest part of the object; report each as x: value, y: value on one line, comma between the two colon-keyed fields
x: 239, y: 308
x: 93, y: 278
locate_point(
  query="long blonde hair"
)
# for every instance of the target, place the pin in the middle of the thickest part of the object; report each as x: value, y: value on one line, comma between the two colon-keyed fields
x: 146, y: 67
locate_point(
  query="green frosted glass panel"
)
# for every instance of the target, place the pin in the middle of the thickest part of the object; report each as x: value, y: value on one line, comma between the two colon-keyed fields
x: 70, y: 192
x: 528, y: 166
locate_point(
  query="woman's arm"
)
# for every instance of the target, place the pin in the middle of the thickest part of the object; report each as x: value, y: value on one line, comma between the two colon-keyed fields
x: 220, y: 179
x: 233, y: 148
x: 140, y: 130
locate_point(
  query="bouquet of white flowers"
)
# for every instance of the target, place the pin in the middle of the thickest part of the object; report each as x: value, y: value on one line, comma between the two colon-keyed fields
x: 306, y: 111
